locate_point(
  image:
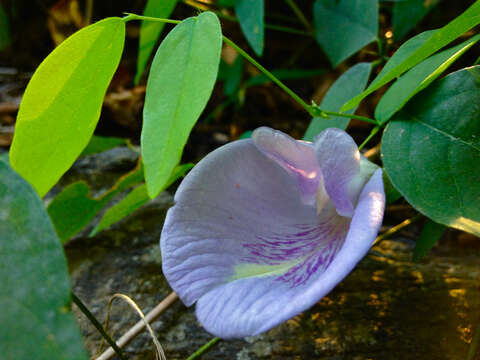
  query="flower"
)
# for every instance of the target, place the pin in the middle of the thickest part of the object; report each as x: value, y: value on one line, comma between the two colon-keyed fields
x: 263, y: 228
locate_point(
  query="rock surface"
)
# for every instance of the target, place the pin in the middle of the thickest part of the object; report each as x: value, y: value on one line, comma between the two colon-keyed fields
x: 387, y: 308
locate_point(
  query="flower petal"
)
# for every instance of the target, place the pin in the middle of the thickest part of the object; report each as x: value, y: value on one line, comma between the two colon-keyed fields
x: 235, y: 197
x: 339, y: 160
x: 253, y: 305
x: 297, y: 157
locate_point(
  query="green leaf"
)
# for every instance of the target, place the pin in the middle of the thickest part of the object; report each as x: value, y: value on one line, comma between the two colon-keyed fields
x: 431, y: 151
x: 73, y: 208
x: 351, y: 83
x: 417, y: 79
x: 150, y: 31
x: 233, y: 77
x: 35, y: 291
x: 181, y: 81
x: 442, y: 37
x: 62, y: 103
x: 4, y: 29
x: 250, y: 14
x: 406, y: 14
x: 99, y: 144
x: 134, y: 200
x: 342, y: 27
x: 431, y: 233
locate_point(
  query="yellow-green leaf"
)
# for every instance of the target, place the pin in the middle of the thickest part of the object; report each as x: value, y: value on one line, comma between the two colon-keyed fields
x: 62, y: 103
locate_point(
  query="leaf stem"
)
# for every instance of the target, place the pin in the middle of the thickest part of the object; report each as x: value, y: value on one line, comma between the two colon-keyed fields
x: 131, y: 16
x: 204, y: 348
x: 313, y: 110
x: 83, y: 308
x: 299, y: 14
x: 369, y: 137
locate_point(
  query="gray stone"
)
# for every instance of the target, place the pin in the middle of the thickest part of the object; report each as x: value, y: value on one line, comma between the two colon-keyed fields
x: 387, y: 308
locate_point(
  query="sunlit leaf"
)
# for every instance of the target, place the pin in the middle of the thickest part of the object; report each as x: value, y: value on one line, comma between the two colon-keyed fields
x: 180, y: 83
x: 151, y: 30
x: 35, y: 291
x: 437, y: 40
x: 62, y: 103
x: 134, y: 200
x: 431, y: 233
x: 351, y: 83
x: 342, y: 27
x: 431, y: 151
x: 250, y: 14
x: 406, y: 14
x: 417, y: 79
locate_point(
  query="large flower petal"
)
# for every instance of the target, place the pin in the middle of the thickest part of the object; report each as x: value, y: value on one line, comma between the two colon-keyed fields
x: 339, y: 160
x: 227, y: 209
x: 253, y: 305
x: 296, y: 157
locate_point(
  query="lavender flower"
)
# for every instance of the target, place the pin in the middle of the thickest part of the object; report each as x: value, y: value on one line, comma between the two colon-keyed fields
x: 263, y: 228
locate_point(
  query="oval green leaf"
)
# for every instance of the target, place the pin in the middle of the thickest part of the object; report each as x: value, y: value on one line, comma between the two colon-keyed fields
x: 417, y: 79
x: 441, y: 38
x: 180, y: 83
x: 151, y: 30
x: 342, y: 27
x: 62, y: 103
x: 431, y: 151
x: 35, y: 290
x: 406, y: 14
x: 351, y: 83
x: 251, y: 15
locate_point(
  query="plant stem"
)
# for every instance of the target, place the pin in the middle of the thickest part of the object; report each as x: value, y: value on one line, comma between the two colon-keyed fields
x: 204, y: 348
x: 268, y: 74
x: 313, y: 110
x: 369, y: 137
x: 234, y: 19
x: 397, y: 228
x: 326, y: 114
x: 299, y: 14
x: 83, y: 308
x: 131, y: 16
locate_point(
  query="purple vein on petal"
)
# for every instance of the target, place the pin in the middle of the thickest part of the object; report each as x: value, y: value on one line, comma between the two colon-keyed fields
x: 297, y: 255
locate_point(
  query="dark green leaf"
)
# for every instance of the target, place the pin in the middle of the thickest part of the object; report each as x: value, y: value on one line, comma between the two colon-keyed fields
x: 181, y: 80
x: 62, y: 103
x: 391, y: 193
x: 351, y: 83
x: 233, y: 77
x: 406, y: 14
x: 99, y: 144
x: 342, y: 27
x: 250, y: 14
x: 73, y: 208
x: 417, y: 79
x: 431, y: 233
x: 150, y: 31
x: 442, y: 37
x: 134, y: 200
x: 35, y: 291
x: 431, y: 151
